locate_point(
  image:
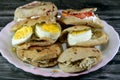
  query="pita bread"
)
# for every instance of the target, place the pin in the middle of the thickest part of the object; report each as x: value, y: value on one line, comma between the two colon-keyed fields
x: 35, y: 9
x: 39, y: 56
x: 99, y: 37
x: 76, y: 59
x: 72, y: 20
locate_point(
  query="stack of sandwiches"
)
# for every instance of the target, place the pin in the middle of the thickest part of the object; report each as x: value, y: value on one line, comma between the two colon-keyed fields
x: 83, y: 31
x: 38, y: 36
x: 35, y: 34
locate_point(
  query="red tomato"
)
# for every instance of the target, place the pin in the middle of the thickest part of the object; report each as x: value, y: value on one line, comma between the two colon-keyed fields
x: 88, y: 14
x: 80, y: 15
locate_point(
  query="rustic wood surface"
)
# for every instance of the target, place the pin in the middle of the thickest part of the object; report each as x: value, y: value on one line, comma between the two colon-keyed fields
x: 108, y: 10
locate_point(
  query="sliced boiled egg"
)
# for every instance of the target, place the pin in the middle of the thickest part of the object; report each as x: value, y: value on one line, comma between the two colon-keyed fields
x: 79, y: 36
x: 22, y: 35
x: 51, y: 31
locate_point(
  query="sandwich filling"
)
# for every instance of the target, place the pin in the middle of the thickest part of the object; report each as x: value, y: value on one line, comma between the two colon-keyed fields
x: 83, y: 15
x: 84, y: 64
x: 22, y: 35
x: 51, y: 31
x: 79, y: 36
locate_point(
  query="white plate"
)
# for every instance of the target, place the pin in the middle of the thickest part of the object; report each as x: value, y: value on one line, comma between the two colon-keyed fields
x: 109, y: 51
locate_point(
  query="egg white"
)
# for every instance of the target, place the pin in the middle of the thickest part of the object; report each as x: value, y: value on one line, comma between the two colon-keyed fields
x: 25, y: 35
x: 76, y: 38
x: 41, y: 33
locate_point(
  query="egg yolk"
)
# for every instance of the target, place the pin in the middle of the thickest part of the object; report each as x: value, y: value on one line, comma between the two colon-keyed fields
x: 52, y: 28
x: 23, y: 32
x: 78, y: 32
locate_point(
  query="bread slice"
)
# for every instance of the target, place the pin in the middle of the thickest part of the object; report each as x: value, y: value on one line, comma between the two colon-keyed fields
x: 69, y: 18
x: 35, y: 9
x: 76, y: 59
x: 39, y: 56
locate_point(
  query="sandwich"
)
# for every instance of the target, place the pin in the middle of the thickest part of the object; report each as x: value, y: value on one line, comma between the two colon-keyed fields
x: 77, y: 59
x: 83, y: 36
x: 35, y: 34
x: 81, y: 17
x: 35, y: 9
x: 41, y: 34
x: 45, y: 56
x: 37, y: 24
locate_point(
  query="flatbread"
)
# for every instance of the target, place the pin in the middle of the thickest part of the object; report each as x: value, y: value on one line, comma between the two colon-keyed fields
x: 35, y: 9
x: 99, y: 36
x: 39, y: 56
x: 76, y: 59
x: 72, y: 20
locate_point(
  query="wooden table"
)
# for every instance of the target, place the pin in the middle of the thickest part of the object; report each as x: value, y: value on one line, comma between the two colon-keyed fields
x: 108, y: 10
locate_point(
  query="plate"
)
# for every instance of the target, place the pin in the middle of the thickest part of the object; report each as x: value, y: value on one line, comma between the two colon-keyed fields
x: 109, y: 50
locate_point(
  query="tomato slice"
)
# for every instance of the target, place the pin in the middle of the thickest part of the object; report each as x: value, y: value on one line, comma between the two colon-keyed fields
x: 88, y: 14
x: 80, y: 15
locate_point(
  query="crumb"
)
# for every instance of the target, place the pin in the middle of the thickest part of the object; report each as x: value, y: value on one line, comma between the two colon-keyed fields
x: 14, y: 49
x: 54, y: 71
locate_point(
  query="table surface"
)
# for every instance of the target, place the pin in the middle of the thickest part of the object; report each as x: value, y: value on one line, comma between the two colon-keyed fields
x: 108, y: 10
